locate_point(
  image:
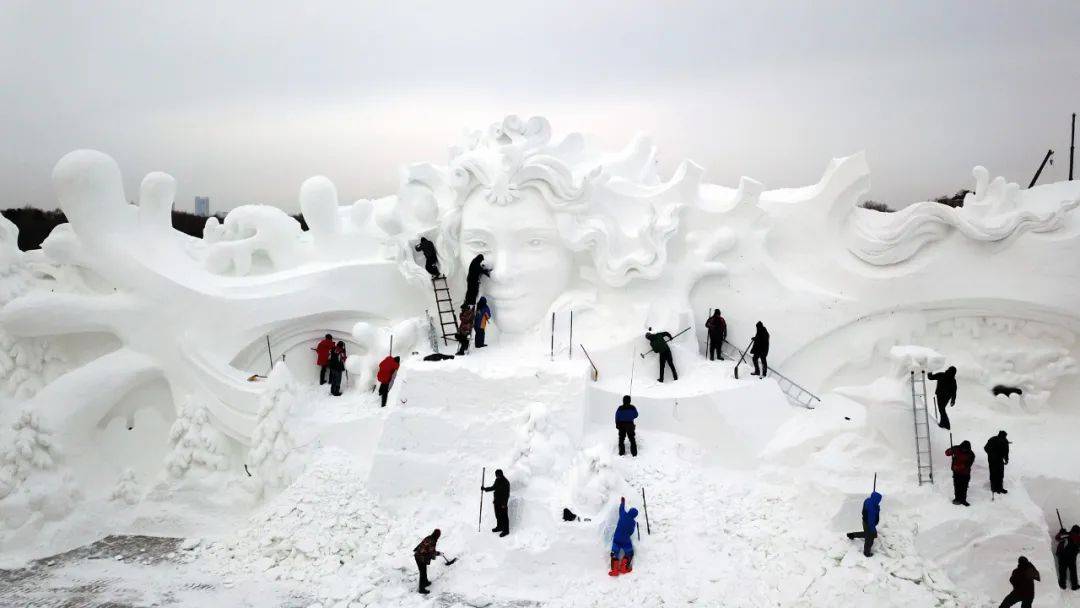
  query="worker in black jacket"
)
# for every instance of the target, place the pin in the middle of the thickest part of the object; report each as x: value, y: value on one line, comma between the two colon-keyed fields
x: 997, y: 456
x: 501, y: 488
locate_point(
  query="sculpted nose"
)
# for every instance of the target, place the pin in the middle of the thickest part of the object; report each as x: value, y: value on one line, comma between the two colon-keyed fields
x: 501, y: 266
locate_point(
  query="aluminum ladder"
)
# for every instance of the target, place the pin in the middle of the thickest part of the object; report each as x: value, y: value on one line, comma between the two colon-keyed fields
x: 794, y: 392
x: 920, y: 413
x: 444, y: 303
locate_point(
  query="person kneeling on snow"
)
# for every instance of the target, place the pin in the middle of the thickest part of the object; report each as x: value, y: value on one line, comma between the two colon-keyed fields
x: 387, y: 368
x: 622, y: 541
x: 871, y: 511
x: 424, y: 553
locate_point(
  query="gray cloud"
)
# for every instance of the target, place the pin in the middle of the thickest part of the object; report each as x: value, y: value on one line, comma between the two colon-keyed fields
x: 243, y: 104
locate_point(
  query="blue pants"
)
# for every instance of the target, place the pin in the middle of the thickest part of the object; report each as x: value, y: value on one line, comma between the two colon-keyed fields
x: 626, y: 546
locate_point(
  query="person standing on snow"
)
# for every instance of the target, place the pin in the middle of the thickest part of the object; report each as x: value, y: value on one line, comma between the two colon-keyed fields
x: 759, y: 351
x: 962, y: 460
x: 337, y: 367
x: 623, y: 540
x: 322, y: 356
x: 659, y: 344
x: 624, y: 422
x: 424, y: 553
x: 472, y: 279
x: 465, y: 328
x: 944, y: 393
x: 997, y: 456
x: 501, y: 488
x: 431, y: 258
x: 387, y: 368
x: 871, y: 511
x: 1067, y: 549
x: 717, y: 328
x: 480, y: 319
x: 1023, y: 584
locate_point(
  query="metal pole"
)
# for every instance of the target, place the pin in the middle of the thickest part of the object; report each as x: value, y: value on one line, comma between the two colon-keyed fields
x: 483, y: 480
x: 391, y: 345
x: 270, y: 353
x: 1072, y: 145
x: 570, y: 349
x: 875, y: 482
x: 645, y: 507
x: 552, y: 336
x: 1058, y: 511
x: 1046, y: 159
x: 633, y: 360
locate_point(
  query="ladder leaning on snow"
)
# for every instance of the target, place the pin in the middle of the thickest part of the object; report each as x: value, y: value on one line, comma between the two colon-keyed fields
x: 923, y: 454
x: 794, y: 392
x: 445, y: 305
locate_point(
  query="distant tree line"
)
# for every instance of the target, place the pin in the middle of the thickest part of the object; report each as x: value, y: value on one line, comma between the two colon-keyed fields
x: 956, y: 200
x: 36, y: 224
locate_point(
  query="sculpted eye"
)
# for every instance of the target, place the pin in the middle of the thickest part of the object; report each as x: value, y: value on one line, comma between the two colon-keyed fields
x: 476, y: 245
x: 537, y: 242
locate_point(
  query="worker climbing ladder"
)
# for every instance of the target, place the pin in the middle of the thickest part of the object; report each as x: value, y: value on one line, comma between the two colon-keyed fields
x: 445, y: 305
x: 919, y: 411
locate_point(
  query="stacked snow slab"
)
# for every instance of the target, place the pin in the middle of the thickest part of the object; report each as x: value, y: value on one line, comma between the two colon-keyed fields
x: 453, y: 417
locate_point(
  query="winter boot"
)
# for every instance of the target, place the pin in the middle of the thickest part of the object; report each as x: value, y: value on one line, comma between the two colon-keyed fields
x: 614, y: 567
x: 624, y: 567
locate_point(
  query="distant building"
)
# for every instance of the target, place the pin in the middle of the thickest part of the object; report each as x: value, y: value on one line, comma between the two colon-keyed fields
x: 202, y: 206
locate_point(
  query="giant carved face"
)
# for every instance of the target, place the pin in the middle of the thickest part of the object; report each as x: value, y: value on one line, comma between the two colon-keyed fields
x: 531, y: 265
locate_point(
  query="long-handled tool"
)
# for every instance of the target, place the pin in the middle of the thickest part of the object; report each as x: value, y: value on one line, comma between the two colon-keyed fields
x: 1059, y: 518
x: 875, y: 482
x: 667, y: 340
x: 448, y: 562
x: 741, y: 357
x: 645, y: 507
x: 483, y: 480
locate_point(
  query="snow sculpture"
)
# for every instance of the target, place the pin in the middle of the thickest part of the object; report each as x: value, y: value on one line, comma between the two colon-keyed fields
x: 272, y: 446
x: 250, y: 230
x: 532, y: 206
x: 996, y: 211
x: 196, y: 444
x: 127, y: 488
x: 32, y: 489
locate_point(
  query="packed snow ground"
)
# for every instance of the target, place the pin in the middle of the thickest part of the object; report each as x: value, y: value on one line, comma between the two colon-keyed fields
x: 722, y: 533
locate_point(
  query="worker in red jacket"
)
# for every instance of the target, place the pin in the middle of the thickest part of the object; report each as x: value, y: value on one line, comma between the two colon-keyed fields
x: 387, y: 368
x: 963, y: 457
x: 322, y: 356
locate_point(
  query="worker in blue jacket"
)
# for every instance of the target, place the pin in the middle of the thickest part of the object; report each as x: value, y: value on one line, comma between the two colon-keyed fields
x: 871, y: 511
x: 622, y: 541
x: 624, y: 421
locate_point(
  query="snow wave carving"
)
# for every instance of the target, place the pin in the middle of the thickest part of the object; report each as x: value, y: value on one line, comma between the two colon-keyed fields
x: 996, y: 211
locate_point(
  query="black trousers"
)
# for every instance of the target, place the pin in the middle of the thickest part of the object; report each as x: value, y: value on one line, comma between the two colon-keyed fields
x: 665, y: 358
x: 422, y: 567
x: 335, y: 382
x: 432, y: 267
x: 868, y: 540
x: 463, y: 343
x: 764, y: 369
x: 471, y: 291
x: 960, y: 486
x: 943, y: 416
x: 625, y: 433
x: 322, y: 374
x: 1013, y: 598
x: 502, y: 517
x: 1067, y: 565
x: 384, y: 390
x: 997, y: 475
x: 714, y: 349
x: 480, y: 336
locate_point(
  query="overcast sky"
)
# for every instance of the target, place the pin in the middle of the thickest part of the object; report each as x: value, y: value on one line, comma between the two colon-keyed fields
x: 243, y: 101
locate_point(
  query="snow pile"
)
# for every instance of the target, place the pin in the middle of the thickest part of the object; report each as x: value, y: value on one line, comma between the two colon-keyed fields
x: 196, y: 444
x: 127, y: 488
x: 324, y: 522
x: 273, y: 450
x: 31, y: 486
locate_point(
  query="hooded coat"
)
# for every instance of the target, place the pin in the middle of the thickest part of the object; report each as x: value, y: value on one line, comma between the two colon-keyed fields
x: 1023, y: 579
x: 962, y: 458
x: 626, y: 526
x: 871, y: 511
x: 946, y: 383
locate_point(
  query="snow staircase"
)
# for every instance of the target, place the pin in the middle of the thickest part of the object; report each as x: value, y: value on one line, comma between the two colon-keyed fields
x: 794, y: 392
x: 444, y: 302
x: 919, y: 411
